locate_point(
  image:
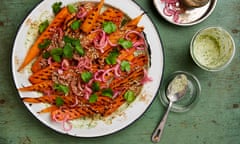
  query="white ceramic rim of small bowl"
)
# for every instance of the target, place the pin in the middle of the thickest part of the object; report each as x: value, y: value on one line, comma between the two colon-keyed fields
x: 220, y: 67
x: 186, y: 24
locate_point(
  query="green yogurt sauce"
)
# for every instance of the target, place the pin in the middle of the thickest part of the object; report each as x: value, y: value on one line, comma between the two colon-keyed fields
x: 212, y: 48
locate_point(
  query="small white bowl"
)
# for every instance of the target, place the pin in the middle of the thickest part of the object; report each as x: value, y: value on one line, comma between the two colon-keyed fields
x: 212, y: 48
x: 186, y: 17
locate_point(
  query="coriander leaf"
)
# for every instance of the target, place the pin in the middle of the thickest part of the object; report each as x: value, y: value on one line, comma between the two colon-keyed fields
x: 61, y: 88
x: 46, y: 55
x: 129, y: 96
x: 72, y: 8
x: 68, y: 39
x: 56, y: 58
x: 56, y: 54
x: 56, y: 7
x: 68, y: 51
x: 125, y: 43
x: 125, y: 66
x: 95, y: 86
x: 107, y: 92
x: 59, y: 101
x: 44, y: 44
x: 86, y: 76
x: 42, y: 27
x: 112, y: 57
x: 80, y: 50
x: 56, y: 51
x: 93, y: 98
x: 75, y: 25
x: 109, y: 27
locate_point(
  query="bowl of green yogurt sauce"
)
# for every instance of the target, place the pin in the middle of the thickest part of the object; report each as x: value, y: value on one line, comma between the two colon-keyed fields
x: 212, y: 48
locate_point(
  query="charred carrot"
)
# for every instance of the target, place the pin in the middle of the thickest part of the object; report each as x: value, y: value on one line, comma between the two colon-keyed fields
x: 40, y: 87
x: 34, y: 51
x: 88, y: 23
x: 44, y: 74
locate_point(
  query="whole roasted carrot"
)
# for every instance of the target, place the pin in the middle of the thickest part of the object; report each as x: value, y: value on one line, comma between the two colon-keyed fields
x: 34, y: 51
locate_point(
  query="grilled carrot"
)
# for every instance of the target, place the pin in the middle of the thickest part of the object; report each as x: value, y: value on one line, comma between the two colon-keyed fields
x: 34, y: 50
x: 44, y: 74
x: 88, y: 23
x: 40, y: 87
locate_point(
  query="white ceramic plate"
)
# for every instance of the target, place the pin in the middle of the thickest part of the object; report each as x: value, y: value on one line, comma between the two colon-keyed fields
x: 88, y: 127
x: 188, y: 17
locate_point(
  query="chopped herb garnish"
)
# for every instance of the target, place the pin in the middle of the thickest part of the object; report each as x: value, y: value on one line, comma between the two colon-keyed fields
x: 109, y: 27
x: 72, y: 8
x: 68, y: 39
x: 46, y: 55
x: 107, y: 92
x: 56, y: 54
x: 56, y: 7
x: 125, y: 66
x: 68, y: 51
x: 93, y: 98
x: 59, y: 101
x: 86, y: 76
x: 42, y: 27
x: 112, y: 57
x: 44, y: 44
x: 75, y: 25
x: 125, y: 43
x: 95, y: 86
x: 129, y: 96
x: 80, y: 50
x: 61, y: 88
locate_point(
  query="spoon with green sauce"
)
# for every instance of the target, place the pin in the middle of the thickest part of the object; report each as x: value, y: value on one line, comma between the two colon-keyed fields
x: 175, y: 91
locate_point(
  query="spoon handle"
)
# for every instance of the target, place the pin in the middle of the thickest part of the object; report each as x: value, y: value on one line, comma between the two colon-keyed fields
x: 159, y: 130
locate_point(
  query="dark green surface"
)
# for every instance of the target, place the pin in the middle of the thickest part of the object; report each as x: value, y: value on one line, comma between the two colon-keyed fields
x: 214, y: 120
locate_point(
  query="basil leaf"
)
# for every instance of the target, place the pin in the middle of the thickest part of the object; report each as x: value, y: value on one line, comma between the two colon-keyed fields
x: 109, y: 27
x: 129, y: 96
x: 125, y: 43
x: 56, y: 7
x: 93, y: 98
x: 86, y: 76
x: 59, y: 101
x: 43, y: 26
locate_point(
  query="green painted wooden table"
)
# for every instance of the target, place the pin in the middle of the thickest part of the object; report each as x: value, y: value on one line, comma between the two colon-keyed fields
x: 214, y: 120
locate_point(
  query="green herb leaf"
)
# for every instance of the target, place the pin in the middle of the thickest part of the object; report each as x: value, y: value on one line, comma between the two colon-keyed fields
x: 75, y: 25
x: 86, y: 76
x: 56, y: 54
x: 129, y: 96
x: 112, y: 57
x: 56, y: 7
x: 107, y: 92
x: 59, y: 101
x: 42, y: 27
x: 80, y: 50
x: 95, y: 86
x: 68, y: 39
x: 93, y: 98
x: 46, y: 55
x: 125, y: 66
x: 125, y: 43
x: 44, y: 44
x: 72, y: 8
x: 109, y: 27
x: 61, y: 88
x: 68, y: 51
